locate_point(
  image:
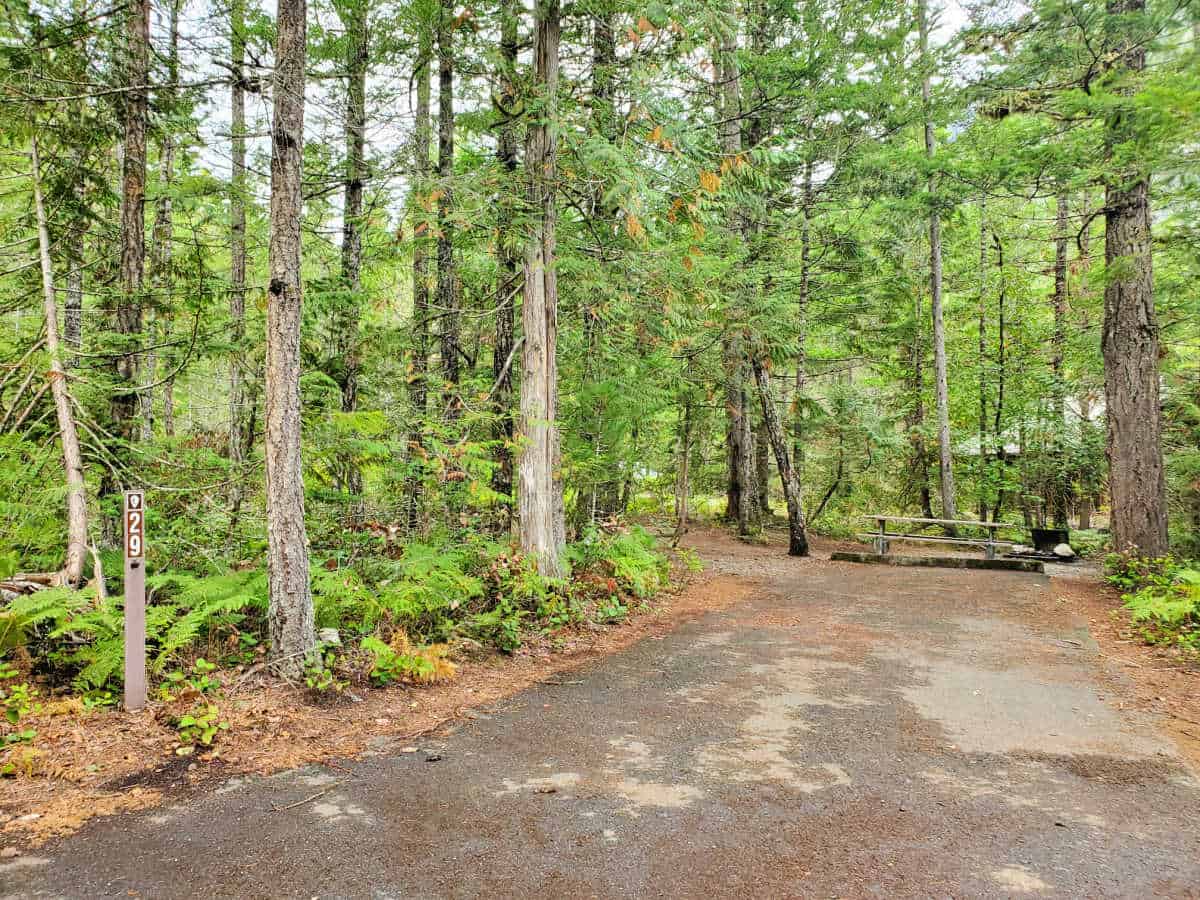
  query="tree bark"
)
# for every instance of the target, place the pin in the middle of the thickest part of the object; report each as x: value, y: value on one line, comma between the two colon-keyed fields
x: 161, y: 236
x: 915, y: 420
x: 507, y: 258
x: 133, y: 198
x: 539, y: 490
x: 802, y: 319
x: 741, y: 498
x: 945, y: 449
x: 127, y: 314
x: 419, y: 378
x: 72, y: 570
x: 797, y: 538
x: 762, y: 467
x: 683, y: 483
x: 982, y: 360
x: 447, y: 286
x: 354, y: 19
x: 1129, y: 342
x: 604, y: 491
x: 290, y: 616
x: 1060, y: 478
x: 1001, y: 372
x: 237, y: 442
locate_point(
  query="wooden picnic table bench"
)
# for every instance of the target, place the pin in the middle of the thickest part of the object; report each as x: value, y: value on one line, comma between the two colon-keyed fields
x: 882, y: 538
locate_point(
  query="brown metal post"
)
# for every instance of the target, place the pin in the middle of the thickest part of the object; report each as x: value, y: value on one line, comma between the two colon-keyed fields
x: 135, y: 600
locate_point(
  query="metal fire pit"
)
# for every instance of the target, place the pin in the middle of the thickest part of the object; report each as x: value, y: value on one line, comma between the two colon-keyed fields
x: 1046, y: 539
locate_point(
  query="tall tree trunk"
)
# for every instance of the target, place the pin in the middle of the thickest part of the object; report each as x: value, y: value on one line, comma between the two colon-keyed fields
x: 419, y: 379
x: 161, y: 236
x: 73, y: 312
x: 354, y: 19
x: 539, y: 489
x: 683, y: 482
x: 945, y: 449
x: 507, y: 257
x: 1001, y: 374
x: 762, y: 467
x: 72, y: 570
x: 1060, y: 477
x: 1130, y: 336
x: 127, y: 316
x: 447, y: 286
x: 797, y: 538
x: 133, y: 198
x: 237, y: 443
x: 802, y: 319
x: 290, y: 616
x: 983, y: 381
x: 915, y: 420
x: 604, y: 494
x: 741, y: 498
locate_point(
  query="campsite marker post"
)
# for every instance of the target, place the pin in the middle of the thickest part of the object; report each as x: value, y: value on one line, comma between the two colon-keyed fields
x: 135, y: 600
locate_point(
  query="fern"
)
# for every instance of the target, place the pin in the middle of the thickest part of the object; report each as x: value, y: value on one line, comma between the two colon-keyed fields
x: 202, y: 603
x: 1168, y: 605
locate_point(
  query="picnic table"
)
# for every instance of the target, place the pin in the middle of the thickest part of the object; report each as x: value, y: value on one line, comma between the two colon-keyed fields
x: 882, y: 537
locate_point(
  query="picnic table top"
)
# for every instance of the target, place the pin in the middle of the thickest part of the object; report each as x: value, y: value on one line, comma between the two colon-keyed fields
x: 916, y: 520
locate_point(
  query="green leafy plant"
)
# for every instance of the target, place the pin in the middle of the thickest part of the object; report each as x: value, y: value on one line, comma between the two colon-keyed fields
x: 1162, y: 596
x: 199, y: 726
x: 400, y: 661
x: 320, y: 676
x: 199, y: 679
x: 17, y: 702
x: 499, y: 626
x: 611, y: 611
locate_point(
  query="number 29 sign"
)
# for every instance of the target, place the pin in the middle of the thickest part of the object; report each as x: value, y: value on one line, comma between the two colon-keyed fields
x: 135, y: 525
x: 135, y: 600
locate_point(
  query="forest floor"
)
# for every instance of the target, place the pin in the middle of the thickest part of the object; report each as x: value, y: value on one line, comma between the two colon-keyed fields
x: 780, y: 727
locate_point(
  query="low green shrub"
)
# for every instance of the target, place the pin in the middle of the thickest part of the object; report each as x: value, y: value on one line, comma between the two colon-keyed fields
x: 475, y: 588
x: 1162, y: 596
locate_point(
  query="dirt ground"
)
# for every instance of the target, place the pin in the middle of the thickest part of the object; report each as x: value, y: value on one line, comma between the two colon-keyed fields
x: 778, y: 727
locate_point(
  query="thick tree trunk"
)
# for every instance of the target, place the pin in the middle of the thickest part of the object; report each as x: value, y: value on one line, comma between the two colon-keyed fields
x: 797, y: 538
x: 507, y: 258
x: 1130, y: 336
x: 539, y: 490
x: 945, y: 449
x: 72, y: 570
x: 290, y: 617
x: 1060, y: 477
x: 133, y: 198
x: 127, y: 314
x: 447, y: 284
